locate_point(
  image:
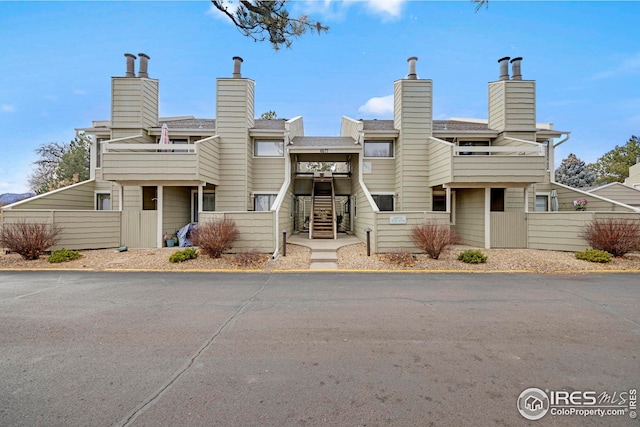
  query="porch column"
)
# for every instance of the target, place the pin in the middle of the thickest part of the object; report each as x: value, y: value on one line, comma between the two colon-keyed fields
x: 120, y: 196
x: 159, y: 201
x: 526, y: 198
x: 447, y: 202
x: 487, y: 218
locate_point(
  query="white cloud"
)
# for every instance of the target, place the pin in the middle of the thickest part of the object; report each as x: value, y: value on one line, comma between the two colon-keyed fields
x: 378, y: 106
x: 386, y: 8
x: 629, y: 65
x: 216, y: 13
x: 6, y: 108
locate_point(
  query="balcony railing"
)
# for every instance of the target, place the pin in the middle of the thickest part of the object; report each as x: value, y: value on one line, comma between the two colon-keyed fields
x: 158, y: 162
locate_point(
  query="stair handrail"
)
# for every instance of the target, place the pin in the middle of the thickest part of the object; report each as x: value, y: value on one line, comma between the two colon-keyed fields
x: 334, y: 225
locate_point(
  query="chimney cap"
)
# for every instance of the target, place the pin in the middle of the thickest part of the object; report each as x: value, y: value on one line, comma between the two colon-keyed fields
x: 144, y: 55
x: 237, y: 58
x: 130, y: 55
x: 412, y: 58
x: 505, y: 58
x: 519, y: 58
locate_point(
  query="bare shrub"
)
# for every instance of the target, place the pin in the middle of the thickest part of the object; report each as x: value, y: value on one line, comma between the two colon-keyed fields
x: 251, y: 258
x: 29, y: 240
x: 215, y: 237
x: 399, y: 258
x: 433, y: 238
x: 616, y: 236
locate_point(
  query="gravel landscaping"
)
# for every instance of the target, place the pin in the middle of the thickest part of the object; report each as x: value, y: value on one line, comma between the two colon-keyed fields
x: 353, y: 257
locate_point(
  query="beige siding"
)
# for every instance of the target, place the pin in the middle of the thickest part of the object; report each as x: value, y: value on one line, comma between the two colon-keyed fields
x: 79, y: 229
x: 257, y: 229
x: 114, y: 189
x: 470, y: 216
x: 514, y: 200
x: 208, y: 152
x: 150, y: 166
x: 176, y: 211
x: 440, y: 163
x: 413, y: 118
x: 134, y: 103
x: 79, y: 196
x: 285, y: 216
x: 394, y: 237
x: 139, y: 229
x: 234, y: 117
x: 634, y: 175
x: 558, y: 231
x: 351, y: 128
x: 295, y: 127
x: 364, y: 214
x: 619, y: 193
x: 132, y: 197
x: 566, y: 196
x: 382, y: 176
x: 342, y: 186
x: 512, y: 105
x: 268, y: 174
x: 498, y: 169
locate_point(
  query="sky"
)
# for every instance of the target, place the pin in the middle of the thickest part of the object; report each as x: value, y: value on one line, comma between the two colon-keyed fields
x: 58, y: 59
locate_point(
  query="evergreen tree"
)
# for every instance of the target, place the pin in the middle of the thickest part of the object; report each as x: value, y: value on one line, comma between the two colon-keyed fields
x: 574, y: 173
x: 614, y: 165
x: 60, y: 165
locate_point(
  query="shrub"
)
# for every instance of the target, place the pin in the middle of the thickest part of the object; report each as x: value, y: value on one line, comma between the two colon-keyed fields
x: 215, y: 237
x: 594, y: 255
x: 249, y: 258
x: 63, y: 255
x: 184, y: 255
x: 616, y: 236
x: 433, y: 238
x: 472, y: 256
x: 29, y: 240
x: 399, y: 258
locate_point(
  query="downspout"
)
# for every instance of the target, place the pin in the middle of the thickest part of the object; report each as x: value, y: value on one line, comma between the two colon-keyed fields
x: 280, y: 200
x: 552, y: 155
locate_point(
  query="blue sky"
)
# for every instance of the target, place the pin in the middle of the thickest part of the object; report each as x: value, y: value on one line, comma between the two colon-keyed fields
x: 57, y: 59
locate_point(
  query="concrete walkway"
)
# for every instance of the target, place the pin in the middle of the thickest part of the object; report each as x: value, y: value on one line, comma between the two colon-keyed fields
x: 324, y: 254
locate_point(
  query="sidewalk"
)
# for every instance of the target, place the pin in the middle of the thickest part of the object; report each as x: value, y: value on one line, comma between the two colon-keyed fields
x: 324, y: 254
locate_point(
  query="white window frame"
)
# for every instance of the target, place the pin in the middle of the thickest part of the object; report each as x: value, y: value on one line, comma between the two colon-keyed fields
x: 99, y: 193
x: 542, y: 194
x: 378, y: 141
x: 256, y: 141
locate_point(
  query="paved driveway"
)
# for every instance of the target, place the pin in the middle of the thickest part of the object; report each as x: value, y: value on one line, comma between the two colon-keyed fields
x: 163, y: 349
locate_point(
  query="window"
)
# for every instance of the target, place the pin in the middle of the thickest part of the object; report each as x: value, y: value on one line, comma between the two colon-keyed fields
x: 179, y: 142
x: 103, y: 201
x: 378, y: 149
x: 542, y: 203
x: 439, y: 202
x: 149, y: 198
x: 208, y: 203
x: 497, y: 200
x: 384, y: 201
x: 268, y: 148
x: 263, y: 202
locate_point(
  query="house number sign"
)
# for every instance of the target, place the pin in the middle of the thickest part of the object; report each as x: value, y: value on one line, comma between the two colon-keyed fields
x: 398, y: 219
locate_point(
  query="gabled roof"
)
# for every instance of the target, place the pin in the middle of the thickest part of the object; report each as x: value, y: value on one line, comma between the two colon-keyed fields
x: 324, y: 141
x: 188, y: 123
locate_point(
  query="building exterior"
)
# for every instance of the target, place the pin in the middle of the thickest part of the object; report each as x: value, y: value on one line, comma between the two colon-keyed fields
x: 490, y: 180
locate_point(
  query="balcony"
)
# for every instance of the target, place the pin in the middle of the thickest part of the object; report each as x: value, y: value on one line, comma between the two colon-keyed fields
x: 155, y: 162
x: 521, y: 162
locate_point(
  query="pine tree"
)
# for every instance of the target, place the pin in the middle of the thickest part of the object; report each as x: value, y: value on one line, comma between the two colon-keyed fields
x: 574, y: 173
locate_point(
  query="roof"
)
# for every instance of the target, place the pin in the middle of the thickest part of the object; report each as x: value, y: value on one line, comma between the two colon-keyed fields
x: 189, y: 123
x: 323, y: 141
x: 272, y: 124
x: 374, y: 125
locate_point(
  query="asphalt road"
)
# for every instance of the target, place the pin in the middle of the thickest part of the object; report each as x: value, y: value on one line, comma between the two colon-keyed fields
x: 325, y: 349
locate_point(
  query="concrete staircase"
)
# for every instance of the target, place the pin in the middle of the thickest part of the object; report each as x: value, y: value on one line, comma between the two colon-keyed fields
x: 323, y: 226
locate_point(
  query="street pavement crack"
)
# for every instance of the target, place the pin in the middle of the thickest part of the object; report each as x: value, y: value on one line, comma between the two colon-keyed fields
x: 205, y: 346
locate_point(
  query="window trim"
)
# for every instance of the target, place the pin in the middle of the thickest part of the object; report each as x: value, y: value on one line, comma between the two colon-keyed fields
x: 255, y: 195
x: 98, y: 193
x: 258, y: 140
x: 382, y: 193
x: 194, y: 201
x: 542, y: 194
x: 391, y: 143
